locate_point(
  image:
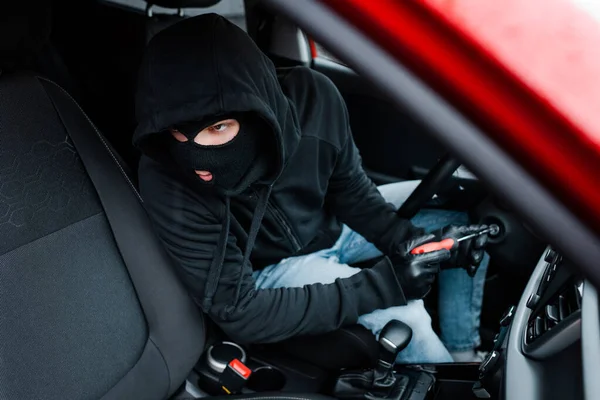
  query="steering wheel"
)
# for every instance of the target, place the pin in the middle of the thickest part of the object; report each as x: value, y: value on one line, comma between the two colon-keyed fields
x: 429, y: 186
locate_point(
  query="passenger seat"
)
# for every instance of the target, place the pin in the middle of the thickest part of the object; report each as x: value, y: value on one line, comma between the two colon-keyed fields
x: 90, y: 306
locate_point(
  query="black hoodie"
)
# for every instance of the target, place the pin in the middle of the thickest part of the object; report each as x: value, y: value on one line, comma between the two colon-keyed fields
x: 204, y: 66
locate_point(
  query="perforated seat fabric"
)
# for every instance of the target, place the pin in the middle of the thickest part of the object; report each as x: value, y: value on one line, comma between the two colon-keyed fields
x: 83, y: 315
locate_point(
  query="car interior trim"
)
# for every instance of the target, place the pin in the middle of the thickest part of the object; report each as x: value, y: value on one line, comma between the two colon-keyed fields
x: 521, y: 374
x: 290, y: 42
x: 555, y: 341
x: 590, y: 345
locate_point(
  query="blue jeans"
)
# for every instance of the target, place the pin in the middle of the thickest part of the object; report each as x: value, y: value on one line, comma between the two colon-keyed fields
x: 460, y: 296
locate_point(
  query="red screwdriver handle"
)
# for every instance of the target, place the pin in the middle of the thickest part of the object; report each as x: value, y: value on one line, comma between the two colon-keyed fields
x: 434, y: 246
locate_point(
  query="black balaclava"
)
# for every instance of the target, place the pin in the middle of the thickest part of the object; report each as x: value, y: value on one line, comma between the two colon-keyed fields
x: 231, y: 162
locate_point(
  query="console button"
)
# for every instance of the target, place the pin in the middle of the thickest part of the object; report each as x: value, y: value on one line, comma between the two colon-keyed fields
x: 533, y: 300
x: 552, y: 313
x: 488, y: 364
x: 240, y: 368
x: 530, y: 332
x: 234, y: 378
x: 550, y: 256
x: 563, y: 308
x: 539, y: 326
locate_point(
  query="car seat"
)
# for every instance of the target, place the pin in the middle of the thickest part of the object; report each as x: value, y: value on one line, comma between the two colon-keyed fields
x: 90, y: 306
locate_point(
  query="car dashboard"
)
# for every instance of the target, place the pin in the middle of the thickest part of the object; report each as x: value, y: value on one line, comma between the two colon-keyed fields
x: 549, y: 344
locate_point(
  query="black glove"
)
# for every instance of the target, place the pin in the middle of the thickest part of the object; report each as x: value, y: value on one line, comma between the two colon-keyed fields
x: 469, y: 253
x: 416, y: 272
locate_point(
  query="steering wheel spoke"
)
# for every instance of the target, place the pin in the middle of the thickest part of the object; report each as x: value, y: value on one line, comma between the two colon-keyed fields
x: 428, y: 187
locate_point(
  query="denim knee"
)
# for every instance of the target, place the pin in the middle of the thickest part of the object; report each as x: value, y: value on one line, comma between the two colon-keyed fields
x: 413, y: 314
x: 425, y: 346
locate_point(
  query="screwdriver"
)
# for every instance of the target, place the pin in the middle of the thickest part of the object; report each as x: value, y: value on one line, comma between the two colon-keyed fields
x: 449, y: 243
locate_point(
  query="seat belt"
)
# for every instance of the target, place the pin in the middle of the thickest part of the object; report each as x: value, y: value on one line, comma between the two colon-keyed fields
x: 121, y: 202
x: 103, y: 167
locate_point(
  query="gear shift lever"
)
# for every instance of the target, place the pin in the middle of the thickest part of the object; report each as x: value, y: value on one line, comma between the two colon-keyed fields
x: 382, y: 383
x: 394, y: 338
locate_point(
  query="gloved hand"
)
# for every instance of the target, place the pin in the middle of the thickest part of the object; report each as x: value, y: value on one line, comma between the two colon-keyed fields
x: 416, y: 272
x: 469, y: 253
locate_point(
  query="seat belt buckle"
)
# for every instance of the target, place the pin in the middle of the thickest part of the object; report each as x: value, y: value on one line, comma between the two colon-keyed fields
x: 234, y: 377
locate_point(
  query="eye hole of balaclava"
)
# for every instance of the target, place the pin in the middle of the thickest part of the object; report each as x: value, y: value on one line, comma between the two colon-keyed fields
x: 229, y: 162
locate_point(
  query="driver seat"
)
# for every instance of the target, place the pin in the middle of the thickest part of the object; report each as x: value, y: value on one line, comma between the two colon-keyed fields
x: 90, y: 306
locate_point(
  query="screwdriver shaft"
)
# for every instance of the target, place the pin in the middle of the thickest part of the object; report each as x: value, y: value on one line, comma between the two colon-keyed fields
x: 493, y: 229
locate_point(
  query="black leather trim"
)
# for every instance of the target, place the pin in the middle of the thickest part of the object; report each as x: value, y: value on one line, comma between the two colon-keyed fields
x: 350, y: 347
x: 175, y: 324
x: 184, y: 3
x: 277, y: 396
x: 364, y: 342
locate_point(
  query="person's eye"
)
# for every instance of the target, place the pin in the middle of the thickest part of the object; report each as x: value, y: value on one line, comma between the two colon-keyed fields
x: 219, y: 127
x: 218, y: 133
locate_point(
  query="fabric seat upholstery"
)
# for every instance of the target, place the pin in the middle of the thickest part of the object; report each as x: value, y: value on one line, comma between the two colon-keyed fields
x: 77, y: 318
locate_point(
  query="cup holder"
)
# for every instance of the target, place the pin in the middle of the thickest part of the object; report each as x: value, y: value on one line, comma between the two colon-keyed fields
x: 265, y: 379
x: 220, y: 354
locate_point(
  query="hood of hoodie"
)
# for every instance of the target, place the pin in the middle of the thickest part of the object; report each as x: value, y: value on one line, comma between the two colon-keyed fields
x: 205, y: 66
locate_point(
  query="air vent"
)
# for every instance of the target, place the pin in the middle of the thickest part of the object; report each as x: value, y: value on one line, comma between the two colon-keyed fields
x: 560, y: 308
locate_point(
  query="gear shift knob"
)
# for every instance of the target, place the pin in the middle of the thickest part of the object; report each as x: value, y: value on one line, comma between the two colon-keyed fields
x: 380, y: 382
x: 394, y: 338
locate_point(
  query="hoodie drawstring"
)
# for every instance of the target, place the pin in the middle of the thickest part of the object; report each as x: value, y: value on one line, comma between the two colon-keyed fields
x: 216, y: 265
x: 259, y: 212
x: 214, y: 272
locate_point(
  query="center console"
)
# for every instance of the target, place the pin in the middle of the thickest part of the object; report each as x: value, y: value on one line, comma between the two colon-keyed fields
x: 538, y: 338
x: 227, y: 368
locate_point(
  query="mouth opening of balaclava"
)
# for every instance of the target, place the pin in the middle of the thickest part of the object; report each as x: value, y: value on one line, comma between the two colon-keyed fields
x: 234, y: 165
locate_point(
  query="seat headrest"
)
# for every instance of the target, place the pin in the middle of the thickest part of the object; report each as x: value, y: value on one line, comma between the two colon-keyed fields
x: 183, y: 3
x: 24, y: 30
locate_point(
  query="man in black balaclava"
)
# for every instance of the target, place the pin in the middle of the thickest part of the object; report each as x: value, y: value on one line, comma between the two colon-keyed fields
x: 255, y: 185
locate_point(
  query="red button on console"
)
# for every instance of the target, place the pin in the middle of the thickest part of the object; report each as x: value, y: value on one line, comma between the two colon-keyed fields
x: 240, y: 368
